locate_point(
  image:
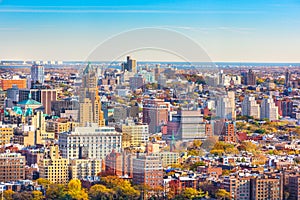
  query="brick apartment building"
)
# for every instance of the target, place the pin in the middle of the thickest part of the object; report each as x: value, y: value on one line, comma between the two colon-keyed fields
x: 12, y: 167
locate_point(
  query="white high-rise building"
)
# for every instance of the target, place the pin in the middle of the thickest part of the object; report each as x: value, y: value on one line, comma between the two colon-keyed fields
x: 89, y: 142
x: 226, y: 106
x: 268, y: 109
x: 250, y: 107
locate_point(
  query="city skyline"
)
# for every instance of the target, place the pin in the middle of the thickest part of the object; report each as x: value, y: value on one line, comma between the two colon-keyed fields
x: 227, y: 31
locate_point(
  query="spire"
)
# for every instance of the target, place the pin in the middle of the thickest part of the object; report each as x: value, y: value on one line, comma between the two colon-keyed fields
x: 87, y: 68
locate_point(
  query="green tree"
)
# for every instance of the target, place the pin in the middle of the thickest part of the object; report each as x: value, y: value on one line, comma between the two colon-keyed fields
x: 76, y: 191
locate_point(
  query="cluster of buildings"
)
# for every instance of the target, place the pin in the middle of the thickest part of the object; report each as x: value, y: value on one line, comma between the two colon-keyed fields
x: 138, y: 122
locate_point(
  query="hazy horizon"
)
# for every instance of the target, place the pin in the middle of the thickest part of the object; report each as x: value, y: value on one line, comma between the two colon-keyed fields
x: 228, y: 31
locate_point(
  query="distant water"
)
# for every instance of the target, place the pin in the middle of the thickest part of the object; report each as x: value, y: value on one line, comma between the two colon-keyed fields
x: 164, y: 64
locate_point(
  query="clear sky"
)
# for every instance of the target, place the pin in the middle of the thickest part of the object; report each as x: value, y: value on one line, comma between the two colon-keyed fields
x: 229, y: 30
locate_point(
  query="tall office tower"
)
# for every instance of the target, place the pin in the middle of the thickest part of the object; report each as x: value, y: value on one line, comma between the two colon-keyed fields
x: 187, y: 125
x: 130, y: 65
x: 37, y: 74
x: 89, y: 142
x: 226, y: 106
x: 53, y: 167
x: 136, y: 134
x: 44, y: 96
x: 250, y: 107
x: 287, y: 108
x: 89, y: 100
x: 148, y: 170
x: 287, y: 81
x: 268, y: 109
x: 250, y: 78
x: 155, y: 114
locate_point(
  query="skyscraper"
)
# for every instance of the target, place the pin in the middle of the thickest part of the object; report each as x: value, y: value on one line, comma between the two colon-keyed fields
x: 226, y: 106
x: 287, y: 108
x: 287, y: 80
x: 250, y: 107
x: 250, y: 78
x: 130, y: 65
x: 37, y: 74
x: 89, y: 101
x: 268, y: 109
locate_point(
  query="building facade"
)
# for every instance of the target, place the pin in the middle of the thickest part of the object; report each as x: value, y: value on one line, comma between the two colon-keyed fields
x: 268, y: 109
x: 148, y: 170
x: 155, y: 114
x: 53, y: 167
x: 12, y: 167
x: 37, y: 74
x: 250, y: 107
x: 85, y: 169
x: 89, y: 142
x: 137, y: 134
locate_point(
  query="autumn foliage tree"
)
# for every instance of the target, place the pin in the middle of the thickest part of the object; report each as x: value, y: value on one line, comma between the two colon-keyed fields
x: 75, y: 191
x: 122, y: 188
x: 221, y: 148
x: 99, y: 191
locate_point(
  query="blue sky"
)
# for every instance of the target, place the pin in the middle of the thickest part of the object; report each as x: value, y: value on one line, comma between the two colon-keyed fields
x: 258, y: 31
